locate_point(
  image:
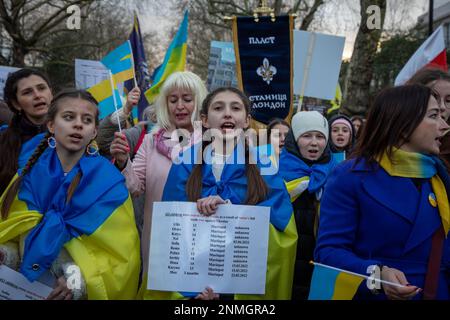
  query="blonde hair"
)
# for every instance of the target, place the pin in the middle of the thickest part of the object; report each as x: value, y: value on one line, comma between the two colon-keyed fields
x: 184, y: 80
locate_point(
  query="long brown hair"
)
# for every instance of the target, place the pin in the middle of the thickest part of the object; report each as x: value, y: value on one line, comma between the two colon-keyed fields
x: 392, y: 119
x: 257, y: 189
x: 51, y: 115
x: 11, y: 138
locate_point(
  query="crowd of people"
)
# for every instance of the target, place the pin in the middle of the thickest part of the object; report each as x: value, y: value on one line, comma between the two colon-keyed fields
x: 351, y: 193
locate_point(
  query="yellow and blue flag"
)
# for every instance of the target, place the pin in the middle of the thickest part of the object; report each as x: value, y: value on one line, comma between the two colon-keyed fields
x: 100, y: 212
x: 120, y: 62
x: 102, y: 92
x: 329, y: 283
x: 175, y: 60
x: 336, y: 102
x: 140, y: 68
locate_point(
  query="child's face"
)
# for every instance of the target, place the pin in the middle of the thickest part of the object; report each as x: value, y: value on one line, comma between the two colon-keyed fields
x: 74, y: 124
x: 278, y: 135
x: 311, y: 145
x: 340, y: 135
x: 227, y: 114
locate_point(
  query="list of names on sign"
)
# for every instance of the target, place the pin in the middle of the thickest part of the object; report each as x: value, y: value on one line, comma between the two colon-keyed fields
x: 226, y: 251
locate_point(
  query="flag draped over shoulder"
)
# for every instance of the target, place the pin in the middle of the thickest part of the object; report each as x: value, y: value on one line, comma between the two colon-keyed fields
x: 333, y: 284
x: 233, y: 186
x: 432, y: 53
x: 175, y: 60
x: 99, y: 213
x: 140, y: 66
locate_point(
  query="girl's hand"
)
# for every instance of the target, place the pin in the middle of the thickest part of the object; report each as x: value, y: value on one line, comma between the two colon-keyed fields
x: 396, y: 293
x: 207, y: 294
x: 208, y: 206
x: 132, y: 100
x: 119, y: 149
x: 61, y: 292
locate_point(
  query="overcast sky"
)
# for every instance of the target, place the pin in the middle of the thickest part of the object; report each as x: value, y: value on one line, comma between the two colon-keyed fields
x: 337, y: 17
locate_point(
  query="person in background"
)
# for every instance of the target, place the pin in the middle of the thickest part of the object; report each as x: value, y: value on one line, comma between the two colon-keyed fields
x: 5, y: 116
x: 305, y: 164
x: 28, y: 95
x: 358, y: 124
x: 342, y: 136
x: 277, y: 130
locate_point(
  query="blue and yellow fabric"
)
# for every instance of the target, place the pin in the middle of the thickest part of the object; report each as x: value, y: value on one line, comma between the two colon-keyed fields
x: 89, y: 226
x: 332, y: 284
x: 296, y: 172
x: 372, y: 213
x: 233, y: 186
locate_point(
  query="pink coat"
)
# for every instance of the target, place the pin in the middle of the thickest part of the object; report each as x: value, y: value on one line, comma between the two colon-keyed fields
x: 148, y: 173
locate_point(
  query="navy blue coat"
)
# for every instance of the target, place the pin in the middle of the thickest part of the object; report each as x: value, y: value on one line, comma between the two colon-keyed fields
x: 368, y: 217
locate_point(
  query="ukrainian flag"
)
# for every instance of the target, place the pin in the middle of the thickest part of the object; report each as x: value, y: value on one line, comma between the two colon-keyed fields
x: 120, y: 62
x: 175, y: 60
x: 99, y: 213
x: 330, y: 283
x: 102, y: 92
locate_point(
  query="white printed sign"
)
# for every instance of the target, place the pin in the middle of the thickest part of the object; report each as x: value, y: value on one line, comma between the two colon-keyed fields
x: 89, y: 73
x: 14, y: 286
x: 226, y: 251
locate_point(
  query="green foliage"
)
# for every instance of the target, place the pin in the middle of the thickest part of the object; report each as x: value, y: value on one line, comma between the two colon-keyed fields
x: 394, y: 53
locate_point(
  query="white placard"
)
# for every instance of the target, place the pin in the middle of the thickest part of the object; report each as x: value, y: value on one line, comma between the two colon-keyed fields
x: 226, y: 251
x: 89, y: 73
x: 14, y: 286
x: 4, y: 73
x: 317, y: 62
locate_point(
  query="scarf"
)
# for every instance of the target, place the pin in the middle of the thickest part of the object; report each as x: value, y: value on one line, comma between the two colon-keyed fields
x: 417, y: 165
x: 44, y: 189
x: 294, y: 168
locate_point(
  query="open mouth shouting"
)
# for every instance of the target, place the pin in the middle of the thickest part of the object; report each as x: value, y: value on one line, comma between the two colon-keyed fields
x: 76, y: 138
x: 227, y: 127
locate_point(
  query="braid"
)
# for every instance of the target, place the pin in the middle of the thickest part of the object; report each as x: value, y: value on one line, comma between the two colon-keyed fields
x: 257, y: 189
x: 194, y: 183
x: 12, y: 191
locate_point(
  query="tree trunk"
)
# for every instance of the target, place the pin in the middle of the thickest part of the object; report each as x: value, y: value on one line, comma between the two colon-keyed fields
x: 18, y: 55
x: 360, y: 71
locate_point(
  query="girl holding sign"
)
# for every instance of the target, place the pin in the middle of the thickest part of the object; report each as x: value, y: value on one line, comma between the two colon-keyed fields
x: 60, y: 214
x: 234, y: 175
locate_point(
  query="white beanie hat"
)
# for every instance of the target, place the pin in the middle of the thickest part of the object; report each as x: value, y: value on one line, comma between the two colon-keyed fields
x: 305, y: 121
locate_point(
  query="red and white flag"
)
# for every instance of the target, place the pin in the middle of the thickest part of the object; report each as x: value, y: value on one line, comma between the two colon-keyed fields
x: 432, y: 53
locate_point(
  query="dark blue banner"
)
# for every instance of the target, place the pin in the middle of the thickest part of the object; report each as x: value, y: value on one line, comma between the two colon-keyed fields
x: 140, y: 67
x: 264, y: 65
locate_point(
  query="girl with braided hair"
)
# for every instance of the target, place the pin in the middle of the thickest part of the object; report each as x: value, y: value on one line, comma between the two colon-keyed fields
x: 227, y: 169
x: 59, y: 214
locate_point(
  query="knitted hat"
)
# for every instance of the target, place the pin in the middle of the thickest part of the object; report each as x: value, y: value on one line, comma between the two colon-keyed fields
x: 305, y: 121
x: 345, y: 122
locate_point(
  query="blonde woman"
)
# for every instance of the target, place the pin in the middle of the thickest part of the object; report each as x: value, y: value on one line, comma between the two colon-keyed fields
x: 177, y: 107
